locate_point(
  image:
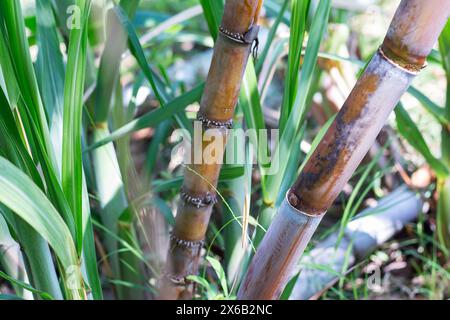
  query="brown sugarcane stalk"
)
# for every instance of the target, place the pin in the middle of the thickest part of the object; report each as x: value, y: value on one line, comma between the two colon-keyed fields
x: 238, y: 31
x: 412, y: 34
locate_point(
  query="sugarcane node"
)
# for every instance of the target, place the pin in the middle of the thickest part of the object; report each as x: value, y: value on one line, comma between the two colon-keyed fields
x: 175, y: 280
x: 269, y: 203
x: 243, y: 38
x: 398, y: 62
x: 186, y: 243
x: 198, y: 201
x: 213, y: 124
x: 101, y: 125
x: 248, y: 37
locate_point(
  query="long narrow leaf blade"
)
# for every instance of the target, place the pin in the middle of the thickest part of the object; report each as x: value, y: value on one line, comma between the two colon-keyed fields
x: 411, y: 133
x: 153, y: 118
x: 24, y: 198
x: 72, y: 168
x: 50, y: 73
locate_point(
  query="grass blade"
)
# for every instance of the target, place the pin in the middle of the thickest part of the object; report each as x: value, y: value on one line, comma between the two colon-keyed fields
x: 153, y: 118
x: 408, y: 129
x: 13, y: 29
x: 298, y: 28
x: 273, y: 30
x: 436, y: 111
x: 213, y: 14
x: 23, y: 285
x: 110, y: 62
x: 72, y: 168
x: 159, y: 89
x: 443, y: 212
x: 26, y: 200
x: 50, y: 72
x: 296, y: 116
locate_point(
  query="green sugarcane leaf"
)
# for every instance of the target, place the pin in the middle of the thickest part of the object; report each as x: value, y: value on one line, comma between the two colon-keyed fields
x: 138, y: 52
x: 25, y: 199
x: 90, y: 257
x: 25, y: 132
x: 278, y: 51
x: 212, y: 10
x: 443, y: 213
x: 296, y: 117
x: 201, y: 281
x: 160, y: 135
x: 289, y: 288
x: 72, y: 165
x: 11, y: 141
x: 443, y: 210
x: 270, y: 37
x: 50, y: 73
x: 108, y: 74
x: 291, y: 168
x: 153, y: 118
x: 436, y: 111
x: 444, y: 47
x: 220, y: 274
x: 16, y: 151
x: 110, y: 187
x: 38, y: 255
x: 298, y: 28
x: 250, y: 102
x: 165, y: 210
x: 8, y: 78
x: 229, y: 172
x: 23, y: 285
x: 408, y: 129
x: 155, y: 81
x: 13, y: 29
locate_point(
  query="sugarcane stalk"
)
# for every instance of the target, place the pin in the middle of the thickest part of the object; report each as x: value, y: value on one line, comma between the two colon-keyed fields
x: 412, y: 34
x: 231, y: 51
x: 370, y: 229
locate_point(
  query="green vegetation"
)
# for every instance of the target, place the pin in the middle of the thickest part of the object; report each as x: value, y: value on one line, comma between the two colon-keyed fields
x: 93, y: 95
